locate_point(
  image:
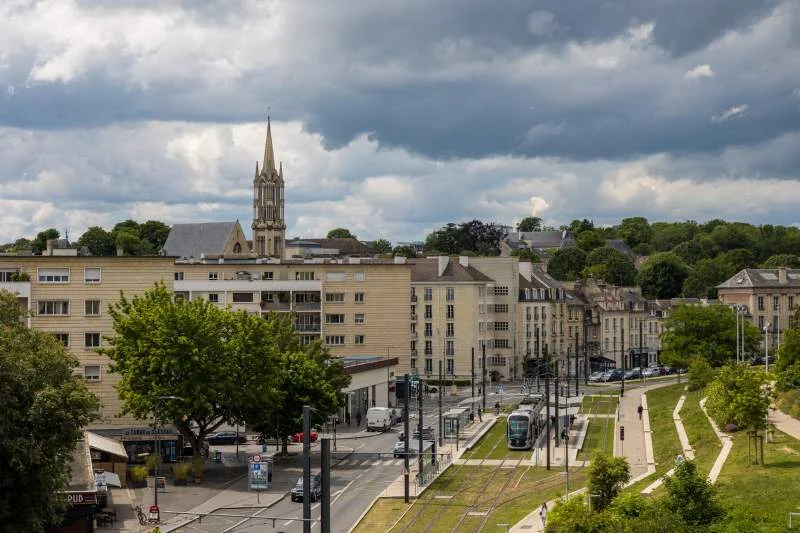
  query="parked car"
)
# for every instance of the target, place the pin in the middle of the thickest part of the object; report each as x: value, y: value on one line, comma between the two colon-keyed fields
x: 633, y: 373
x: 316, y: 488
x: 613, y: 375
x: 596, y: 376
x: 397, y: 416
x: 427, y: 433
x: 651, y: 372
x: 379, y: 419
x: 226, y: 437
x: 298, y: 437
x: 399, y: 449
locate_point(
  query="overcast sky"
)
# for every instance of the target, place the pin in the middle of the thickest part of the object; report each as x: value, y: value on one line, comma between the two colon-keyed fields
x: 395, y: 117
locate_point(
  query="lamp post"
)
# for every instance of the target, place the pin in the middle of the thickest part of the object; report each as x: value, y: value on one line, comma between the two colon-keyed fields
x: 766, y: 347
x: 156, y: 450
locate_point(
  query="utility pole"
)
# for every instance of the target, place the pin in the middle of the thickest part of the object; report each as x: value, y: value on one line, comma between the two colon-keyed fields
x: 419, y: 453
x: 556, y: 420
x: 325, y: 508
x: 547, y: 408
x: 538, y: 360
x: 577, y: 377
x: 306, y: 469
x: 586, y: 320
x: 622, y: 353
x: 483, y: 375
x: 405, y: 427
x: 641, y: 332
x: 472, y: 377
x: 441, y: 420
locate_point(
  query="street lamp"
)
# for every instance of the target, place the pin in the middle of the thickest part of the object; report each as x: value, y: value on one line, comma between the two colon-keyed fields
x: 157, y: 451
x: 766, y: 347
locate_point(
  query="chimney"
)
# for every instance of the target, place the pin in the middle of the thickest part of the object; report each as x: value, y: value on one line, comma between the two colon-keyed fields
x: 120, y: 251
x: 51, y: 243
x: 443, y: 261
x: 526, y: 270
x: 463, y: 260
x: 782, y: 275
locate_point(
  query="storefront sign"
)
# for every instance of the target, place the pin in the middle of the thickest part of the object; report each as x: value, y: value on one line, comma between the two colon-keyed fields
x: 82, y: 498
x: 131, y: 432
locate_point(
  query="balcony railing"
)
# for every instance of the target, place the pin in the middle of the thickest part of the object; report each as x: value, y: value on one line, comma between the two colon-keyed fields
x: 308, y: 328
x: 413, y: 335
x: 307, y: 306
x: 274, y: 306
x: 413, y: 297
x: 413, y: 353
x: 413, y: 318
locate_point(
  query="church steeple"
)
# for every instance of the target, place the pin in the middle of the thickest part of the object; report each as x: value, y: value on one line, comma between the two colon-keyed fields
x: 269, y: 156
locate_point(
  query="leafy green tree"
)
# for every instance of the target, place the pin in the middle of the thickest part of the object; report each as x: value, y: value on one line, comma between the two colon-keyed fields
x: 606, y: 477
x: 692, y: 497
x: 524, y: 253
x: 589, y: 240
x: 45, y: 405
x: 22, y: 244
x: 736, y: 396
x: 405, y: 251
x: 579, y: 226
x: 735, y: 235
x: 39, y: 244
x: 154, y: 233
x: 643, y: 249
x: 610, y: 265
x: 132, y: 244
x: 707, y: 331
x: 695, y: 250
x: 782, y: 260
x: 218, y: 363
x: 382, y: 246
x: 575, y: 516
x: 704, y: 277
x: 739, y: 258
x: 340, y: 233
x: 789, y: 352
x: 668, y: 235
x: 98, y: 241
x: 662, y: 276
x: 567, y: 264
x: 635, y: 230
x: 530, y: 224
x: 700, y: 373
x: 475, y: 236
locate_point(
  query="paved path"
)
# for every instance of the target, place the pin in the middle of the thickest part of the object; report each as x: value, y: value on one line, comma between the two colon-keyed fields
x: 785, y: 423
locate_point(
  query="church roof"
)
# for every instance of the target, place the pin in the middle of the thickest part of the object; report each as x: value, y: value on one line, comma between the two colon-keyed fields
x: 193, y: 240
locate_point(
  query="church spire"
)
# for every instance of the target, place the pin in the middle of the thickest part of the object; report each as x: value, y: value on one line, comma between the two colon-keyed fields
x: 269, y: 156
x: 256, y: 168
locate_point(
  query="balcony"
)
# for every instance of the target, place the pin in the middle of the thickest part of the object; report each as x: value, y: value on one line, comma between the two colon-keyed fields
x: 21, y: 289
x: 413, y: 318
x: 274, y: 306
x: 413, y: 335
x: 414, y: 298
x: 307, y: 328
x: 413, y: 353
x: 307, y: 306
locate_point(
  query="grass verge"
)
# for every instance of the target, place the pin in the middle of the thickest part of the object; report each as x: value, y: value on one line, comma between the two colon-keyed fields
x: 600, y: 404
x: 599, y: 437
x: 701, y: 435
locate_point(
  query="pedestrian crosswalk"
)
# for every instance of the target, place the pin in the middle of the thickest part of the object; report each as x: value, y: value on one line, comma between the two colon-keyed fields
x: 370, y: 462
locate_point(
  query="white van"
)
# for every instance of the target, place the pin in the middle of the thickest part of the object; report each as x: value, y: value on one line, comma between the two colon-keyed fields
x: 379, y: 419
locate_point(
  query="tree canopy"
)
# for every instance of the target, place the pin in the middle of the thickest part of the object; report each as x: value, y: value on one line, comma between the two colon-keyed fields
x: 474, y: 236
x: 567, y: 264
x: 340, y: 233
x: 606, y: 477
x: 635, y: 231
x: 39, y: 244
x: 610, y: 265
x: 530, y: 224
x: 98, y: 241
x: 704, y: 277
x: 382, y: 246
x: 662, y: 276
x: 45, y: 407
x: 736, y: 396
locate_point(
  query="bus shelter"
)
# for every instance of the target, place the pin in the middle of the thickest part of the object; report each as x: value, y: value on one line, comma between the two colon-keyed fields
x: 455, y: 420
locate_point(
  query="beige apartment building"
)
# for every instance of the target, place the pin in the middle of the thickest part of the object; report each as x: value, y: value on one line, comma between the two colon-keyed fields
x: 768, y: 298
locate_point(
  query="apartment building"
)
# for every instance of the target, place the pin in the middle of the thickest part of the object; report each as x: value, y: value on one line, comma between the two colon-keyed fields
x: 769, y: 297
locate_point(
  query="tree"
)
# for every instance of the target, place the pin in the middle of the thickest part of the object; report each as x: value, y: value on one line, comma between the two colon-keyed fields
x: 739, y: 258
x: 98, y: 241
x: 217, y: 362
x: 573, y: 516
x: 45, y: 406
x: 530, y: 224
x: 666, y: 235
x: 579, y: 226
x: 382, y: 246
x: 475, y: 236
x: 782, y: 260
x: 789, y: 353
x: 525, y: 254
x: 735, y: 235
x: 704, y: 277
x: 635, y: 230
x: 405, y: 251
x: 589, y: 240
x: 610, y: 265
x: 155, y: 233
x: 606, y: 477
x: 662, y: 276
x: 131, y: 243
x: 700, y: 373
x: 707, y: 331
x: 691, y: 496
x: 340, y: 233
x: 39, y: 244
x: 567, y: 264
x: 736, y: 396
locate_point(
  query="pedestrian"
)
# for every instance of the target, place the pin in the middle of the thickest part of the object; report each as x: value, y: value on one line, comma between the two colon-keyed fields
x: 639, y: 410
x: 358, y: 419
x: 543, y: 514
x: 347, y: 418
x: 480, y: 419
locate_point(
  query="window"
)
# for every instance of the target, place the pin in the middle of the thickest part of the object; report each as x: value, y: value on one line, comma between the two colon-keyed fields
x: 334, y: 297
x: 334, y: 319
x: 497, y: 360
x: 92, y: 340
x: 91, y: 275
x: 91, y: 372
x: 359, y: 318
x: 606, y: 324
x: 413, y: 348
x: 501, y: 291
x: 63, y: 338
x: 7, y: 276
x: 535, y: 312
x: 449, y: 348
x: 360, y: 276
x: 428, y: 294
x: 213, y: 297
x: 451, y: 329
x: 359, y: 297
x: 428, y: 329
x: 451, y: 294
x: 791, y: 302
x: 334, y: 340
x: 428, y: 347
x: 54, y: 307
x: 305, y: 276
x: 335, y: 276
x: 178, y: 276
x: 242, y: 297
x: 413, y: 327
x: 451, y: 312
x: 53, y: 275
x: 775, y: 323
x: 760, y: 303
x: 776, y: 302
x: 501, y: 343
x: 428, y: 311
x: 501, y: 326
x: 213, y: 276
x: 91, y: 307
x: 359, y: 339
x: 413, y: 312
x: 413, y: 363
x: 503, y: 308
x: 428, y: 366
x: 451, y: 366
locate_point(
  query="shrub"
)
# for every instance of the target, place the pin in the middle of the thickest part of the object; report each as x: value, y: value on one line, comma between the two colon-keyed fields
x: 700, y: 373
x: 607, y: 475
x: 151, y: 461
x: 691, y: 496
x: 181, y: 470
x: 197, y: 466
x: 789, y: 403
x: 137, y: 473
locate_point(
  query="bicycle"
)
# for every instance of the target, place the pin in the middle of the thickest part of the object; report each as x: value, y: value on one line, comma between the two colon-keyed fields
x: 140, y: 515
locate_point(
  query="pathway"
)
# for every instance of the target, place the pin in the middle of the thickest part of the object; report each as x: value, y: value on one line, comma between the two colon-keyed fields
x: 785, y: 423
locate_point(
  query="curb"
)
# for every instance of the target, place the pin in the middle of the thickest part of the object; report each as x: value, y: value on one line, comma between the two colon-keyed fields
x: 169, y: 529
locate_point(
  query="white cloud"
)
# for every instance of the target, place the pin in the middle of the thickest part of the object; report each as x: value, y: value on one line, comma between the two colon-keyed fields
x: 542, y: 23
x: 700, y: 71
x: 731, y: 113
x: 538, y: 206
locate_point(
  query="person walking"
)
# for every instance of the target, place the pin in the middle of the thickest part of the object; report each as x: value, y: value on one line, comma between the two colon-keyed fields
x: 639, y: 410
x: 358, y: 419
x: 543, y: 514
x: 347, y: 418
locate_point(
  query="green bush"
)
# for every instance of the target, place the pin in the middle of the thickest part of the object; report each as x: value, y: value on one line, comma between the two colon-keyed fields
x: 789, y: 402
x: 137, y: 473
x: 151, y: 460
x: 789, y: 378
x: 700, y: 373
x: 181, y: 470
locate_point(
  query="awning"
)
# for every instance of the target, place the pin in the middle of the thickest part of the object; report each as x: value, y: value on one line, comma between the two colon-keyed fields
x: 110, y: 479
x: 104, y: 444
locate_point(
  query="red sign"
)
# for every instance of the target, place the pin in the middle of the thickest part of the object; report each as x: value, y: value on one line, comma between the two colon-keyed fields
x: 256, y: 458
x: 82, y: 498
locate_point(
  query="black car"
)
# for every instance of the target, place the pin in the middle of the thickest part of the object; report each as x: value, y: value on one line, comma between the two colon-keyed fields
x: 226, y: 437
x: 316, y: 488
x: 427, y: 433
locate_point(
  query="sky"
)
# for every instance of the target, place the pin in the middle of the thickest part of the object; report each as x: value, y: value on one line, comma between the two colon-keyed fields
x: 395, y: 118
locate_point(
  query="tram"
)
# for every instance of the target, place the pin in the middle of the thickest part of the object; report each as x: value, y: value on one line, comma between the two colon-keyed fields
x: 525, y: 425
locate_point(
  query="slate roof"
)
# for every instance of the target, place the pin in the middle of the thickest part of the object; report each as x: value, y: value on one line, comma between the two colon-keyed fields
x: 192, y: 240
x: 761, y: 277
x: 620, y: 246
x: 428, y: 270
x: 543, y: 239
x: 347, y: 246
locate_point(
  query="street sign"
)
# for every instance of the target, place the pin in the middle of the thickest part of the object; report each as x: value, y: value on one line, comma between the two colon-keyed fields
x: 256, y: 459
x: 259, y: 474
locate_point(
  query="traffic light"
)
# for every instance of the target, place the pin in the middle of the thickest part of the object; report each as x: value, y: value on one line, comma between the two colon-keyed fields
x: 622, y: 433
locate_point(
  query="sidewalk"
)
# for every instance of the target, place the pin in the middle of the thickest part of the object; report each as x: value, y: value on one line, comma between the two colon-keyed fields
x: 785, y: 423
x: 633, y: 448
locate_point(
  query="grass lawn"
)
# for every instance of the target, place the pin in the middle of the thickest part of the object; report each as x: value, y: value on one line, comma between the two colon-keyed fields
x: 762, y: 495
x: 506, y: 494
x: 599, y: 437
x: 493, y: 445
x: 702, y: 438
x: 600, y: 404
